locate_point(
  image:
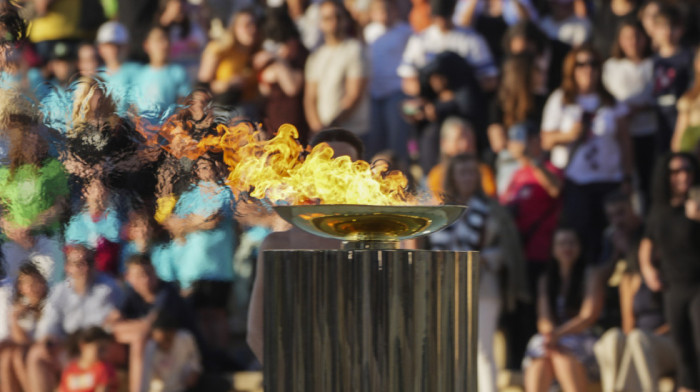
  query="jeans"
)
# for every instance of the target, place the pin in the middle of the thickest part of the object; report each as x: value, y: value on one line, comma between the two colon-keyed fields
x: 682, y: 311
x: 388, y: 129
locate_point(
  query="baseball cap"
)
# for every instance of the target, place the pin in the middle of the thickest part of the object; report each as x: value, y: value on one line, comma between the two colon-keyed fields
x: 112, y: 33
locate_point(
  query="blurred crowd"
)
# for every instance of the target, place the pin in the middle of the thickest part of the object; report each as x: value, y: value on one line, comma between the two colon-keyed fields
x: 571, y: 129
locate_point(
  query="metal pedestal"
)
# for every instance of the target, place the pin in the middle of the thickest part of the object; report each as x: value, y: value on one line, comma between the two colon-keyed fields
x: 370, y: 320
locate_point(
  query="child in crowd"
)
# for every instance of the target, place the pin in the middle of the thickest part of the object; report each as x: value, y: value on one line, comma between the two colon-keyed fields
x: 673, y: 70
x: 160, y: 84
x: 89, y: 373
x: 112, y: 40
x: 171, y: 359
x: 144, y: 236
x: 27, y: 305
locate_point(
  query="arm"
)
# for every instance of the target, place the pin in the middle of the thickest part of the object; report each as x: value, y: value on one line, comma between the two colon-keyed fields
x: 625, y: 142
x: 354, y: 92
x: 649, y: 272
x: 590, y: 308
x: 549, y: 181
x: 310, y: 107
x: 555, y: 138
x: 467, y: 17
x: 290, y: 80
x: 207, y: 66
x: 545, y: 322
x: 681, y: 125
x: 628, y: 287
x: 18, y: 334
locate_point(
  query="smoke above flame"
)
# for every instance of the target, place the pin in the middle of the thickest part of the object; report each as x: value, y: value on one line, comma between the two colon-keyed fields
x: 281, y: 171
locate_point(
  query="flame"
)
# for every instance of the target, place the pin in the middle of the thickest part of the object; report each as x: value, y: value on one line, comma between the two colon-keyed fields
x: 278, y: 170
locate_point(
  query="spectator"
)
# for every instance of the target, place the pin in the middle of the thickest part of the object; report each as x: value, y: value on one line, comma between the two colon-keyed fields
x: 146, y: 298
x: 202, y: 229
x: 687, y: 133
x: 56, y: 23
x: 457, y: 137
x: 144, y: 236
x: 520, y: 101
x: 493, y: 18
x: 281, y: 68
x: 387, y: 37
x: 305, y: 15
x: 88, y: 60
x: 628, y: 75
x: 159, y: 84
x: 562, y: 24
x: 84, y: 300
x: 187, y: 38
x: 172, y: 361
x: 486, y: 228
x: 336, y: 77
x: 607, y: 22
x: 672, y: 235
x: 226, y: 65
x: 27, y: 306
x: 51, y: 79
x: 97, y: 226
x: 673, y: 70
x: 90, y: 372
x: 647, y: 15
x: 137, y: 16
x: 443, y: 36
x: 33, y: 193
x: 568, y: 303
x: 119, y: 77
x: 635, y: 357
x: 587, y: 134
x: 447, y: 90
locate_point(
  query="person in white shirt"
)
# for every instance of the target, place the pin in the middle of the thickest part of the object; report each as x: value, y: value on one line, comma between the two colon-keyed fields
x: 629, y: 76
x: 586, y: 131
x: 562, y: 24
x: 443, y: 36
x: 336, y: 77
x: 386, y: 36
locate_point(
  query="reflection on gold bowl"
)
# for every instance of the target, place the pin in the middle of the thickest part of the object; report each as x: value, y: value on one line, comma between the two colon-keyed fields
x: 370, y: 223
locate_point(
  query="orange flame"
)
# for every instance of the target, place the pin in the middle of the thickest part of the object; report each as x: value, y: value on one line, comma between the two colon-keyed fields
x: 277, y: 170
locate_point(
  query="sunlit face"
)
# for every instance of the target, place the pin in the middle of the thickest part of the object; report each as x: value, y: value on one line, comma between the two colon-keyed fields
x: 379, y: 12
x: 141, y: 278
x: 206, y: 170
x: 681, y: 176
x: 648, y: 17
x: 32, y: 288
x: 87, y: 60
x: 438, y: 83
x: 245, y: 30
x: 586, y: 71
x: 458, y: 140
x: 77, y: 265
x: 92, y: 352
x: 157, y: 44
x: 466, y: 178
x: 630, y: 41
x: 566, y: 247
x: 108, y: 52
x: 662, y: 31
x: 164, y: 339
x: 330, y: 19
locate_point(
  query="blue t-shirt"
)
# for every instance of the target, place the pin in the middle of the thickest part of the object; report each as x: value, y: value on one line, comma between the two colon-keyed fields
x: 120, y: 85
x: 82, y: 229
x: 158, y: 89
x: 205, y: 254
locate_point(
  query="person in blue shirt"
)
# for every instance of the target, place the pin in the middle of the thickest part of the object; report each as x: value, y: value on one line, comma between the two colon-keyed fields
x: 144, y: 236
x: 159, y: 85
x: 203, y: 245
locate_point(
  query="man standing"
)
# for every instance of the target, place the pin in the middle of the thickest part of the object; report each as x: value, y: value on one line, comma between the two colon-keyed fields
x: 336, y: 77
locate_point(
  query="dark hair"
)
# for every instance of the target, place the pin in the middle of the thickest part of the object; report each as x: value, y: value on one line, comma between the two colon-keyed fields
x: 166, y: 321
x: 278, y: 25
x: 28, y: 268
x: 89, y: 253
x: 339, y: 135
x: 616, y: 51
x: 93, y: 334
x: 672, y: 14
x: 451, y: 194
x: 515, y: 95
x: 660, y: 186
x: 141, y: 260
x: 568, y: 84
x: 186, y: 23
x: 15, y: 25
x: 530, y: 32
x: 574, y: 295
x: 158, y: 27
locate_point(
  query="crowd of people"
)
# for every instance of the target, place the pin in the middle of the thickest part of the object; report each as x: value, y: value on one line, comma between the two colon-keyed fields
x: 571, y: 129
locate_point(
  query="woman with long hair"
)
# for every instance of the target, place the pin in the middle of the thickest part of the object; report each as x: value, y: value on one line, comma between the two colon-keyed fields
x: 669, y: 258
x: 569, y: 301
x: 687, y: 132
x: 226, y: 65
x: 487, y: 228
x: 629, y: 76
x: 30, y: 291
x: 586, y: 132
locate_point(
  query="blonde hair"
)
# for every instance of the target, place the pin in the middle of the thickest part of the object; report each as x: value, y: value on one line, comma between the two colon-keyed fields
x: 85, y: 90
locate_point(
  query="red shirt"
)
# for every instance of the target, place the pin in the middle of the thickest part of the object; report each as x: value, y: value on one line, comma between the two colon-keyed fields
x: 532, y: 203
x: 77, y: 379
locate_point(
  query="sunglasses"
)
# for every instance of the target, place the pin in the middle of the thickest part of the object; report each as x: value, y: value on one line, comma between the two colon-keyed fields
x: 684, y: 169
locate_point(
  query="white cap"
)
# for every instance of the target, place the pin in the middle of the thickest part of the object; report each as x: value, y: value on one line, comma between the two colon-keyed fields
x: 112, y: 33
